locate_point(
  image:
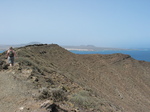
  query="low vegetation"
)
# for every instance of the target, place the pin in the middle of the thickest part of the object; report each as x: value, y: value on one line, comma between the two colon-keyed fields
x: 84, y: 99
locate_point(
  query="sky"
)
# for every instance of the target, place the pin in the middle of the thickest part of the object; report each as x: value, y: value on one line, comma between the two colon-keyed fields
x: 102, y: 23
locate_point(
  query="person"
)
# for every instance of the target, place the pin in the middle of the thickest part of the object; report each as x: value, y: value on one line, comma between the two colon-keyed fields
x: 10, y: 56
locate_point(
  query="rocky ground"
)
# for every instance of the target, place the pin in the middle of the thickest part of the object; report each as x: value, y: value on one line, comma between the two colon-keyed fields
x: 48, y: 78
x: 20, y: 94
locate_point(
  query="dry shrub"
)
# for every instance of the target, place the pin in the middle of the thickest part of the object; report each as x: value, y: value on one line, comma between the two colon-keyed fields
x: 83, y: 98
x: 44, y: 94
x: 56, y: 94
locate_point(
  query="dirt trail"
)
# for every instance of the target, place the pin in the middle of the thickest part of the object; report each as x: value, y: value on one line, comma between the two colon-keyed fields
x: 14, y: 93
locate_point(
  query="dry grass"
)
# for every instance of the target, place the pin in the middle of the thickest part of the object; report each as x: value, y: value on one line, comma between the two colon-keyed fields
x: 84, y: 99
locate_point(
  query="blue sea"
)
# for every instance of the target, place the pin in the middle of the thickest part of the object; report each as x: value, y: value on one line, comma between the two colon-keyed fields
x: 136, y: 54
x: 1, y: 51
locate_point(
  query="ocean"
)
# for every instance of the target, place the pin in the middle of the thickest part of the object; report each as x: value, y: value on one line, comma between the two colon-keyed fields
x: 1, y: 51
x: 136, y: 54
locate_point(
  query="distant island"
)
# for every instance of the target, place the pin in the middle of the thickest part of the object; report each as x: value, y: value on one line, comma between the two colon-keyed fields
x: 93, y: 48
x: 5, y: 47
x: 71, y: 48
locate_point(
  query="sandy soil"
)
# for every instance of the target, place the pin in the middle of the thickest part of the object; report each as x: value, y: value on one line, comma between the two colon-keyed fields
x: 14, y: 93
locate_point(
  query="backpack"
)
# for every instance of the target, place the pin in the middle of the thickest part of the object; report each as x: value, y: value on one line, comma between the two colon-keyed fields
x: 11, y: 54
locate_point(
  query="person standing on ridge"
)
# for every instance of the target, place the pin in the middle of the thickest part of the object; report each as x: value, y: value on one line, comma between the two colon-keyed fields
x: 10, y: 56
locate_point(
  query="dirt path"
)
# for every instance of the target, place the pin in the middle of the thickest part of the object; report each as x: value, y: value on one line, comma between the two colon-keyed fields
x: 14, y: 93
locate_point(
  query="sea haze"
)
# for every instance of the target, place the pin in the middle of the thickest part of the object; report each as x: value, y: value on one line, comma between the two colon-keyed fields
x: 138, y: 55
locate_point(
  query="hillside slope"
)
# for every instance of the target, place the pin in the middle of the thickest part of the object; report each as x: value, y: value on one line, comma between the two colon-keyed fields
x: 94, y: 82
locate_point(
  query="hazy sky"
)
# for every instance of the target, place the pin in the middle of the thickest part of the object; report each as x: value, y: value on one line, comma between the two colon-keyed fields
x: 106, y: 23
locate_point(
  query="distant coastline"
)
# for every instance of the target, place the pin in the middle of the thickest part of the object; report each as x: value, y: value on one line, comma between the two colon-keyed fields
x: 100, y: 49
x: 6, y: 47
x: 93, y: 48
x: 75, y: 48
